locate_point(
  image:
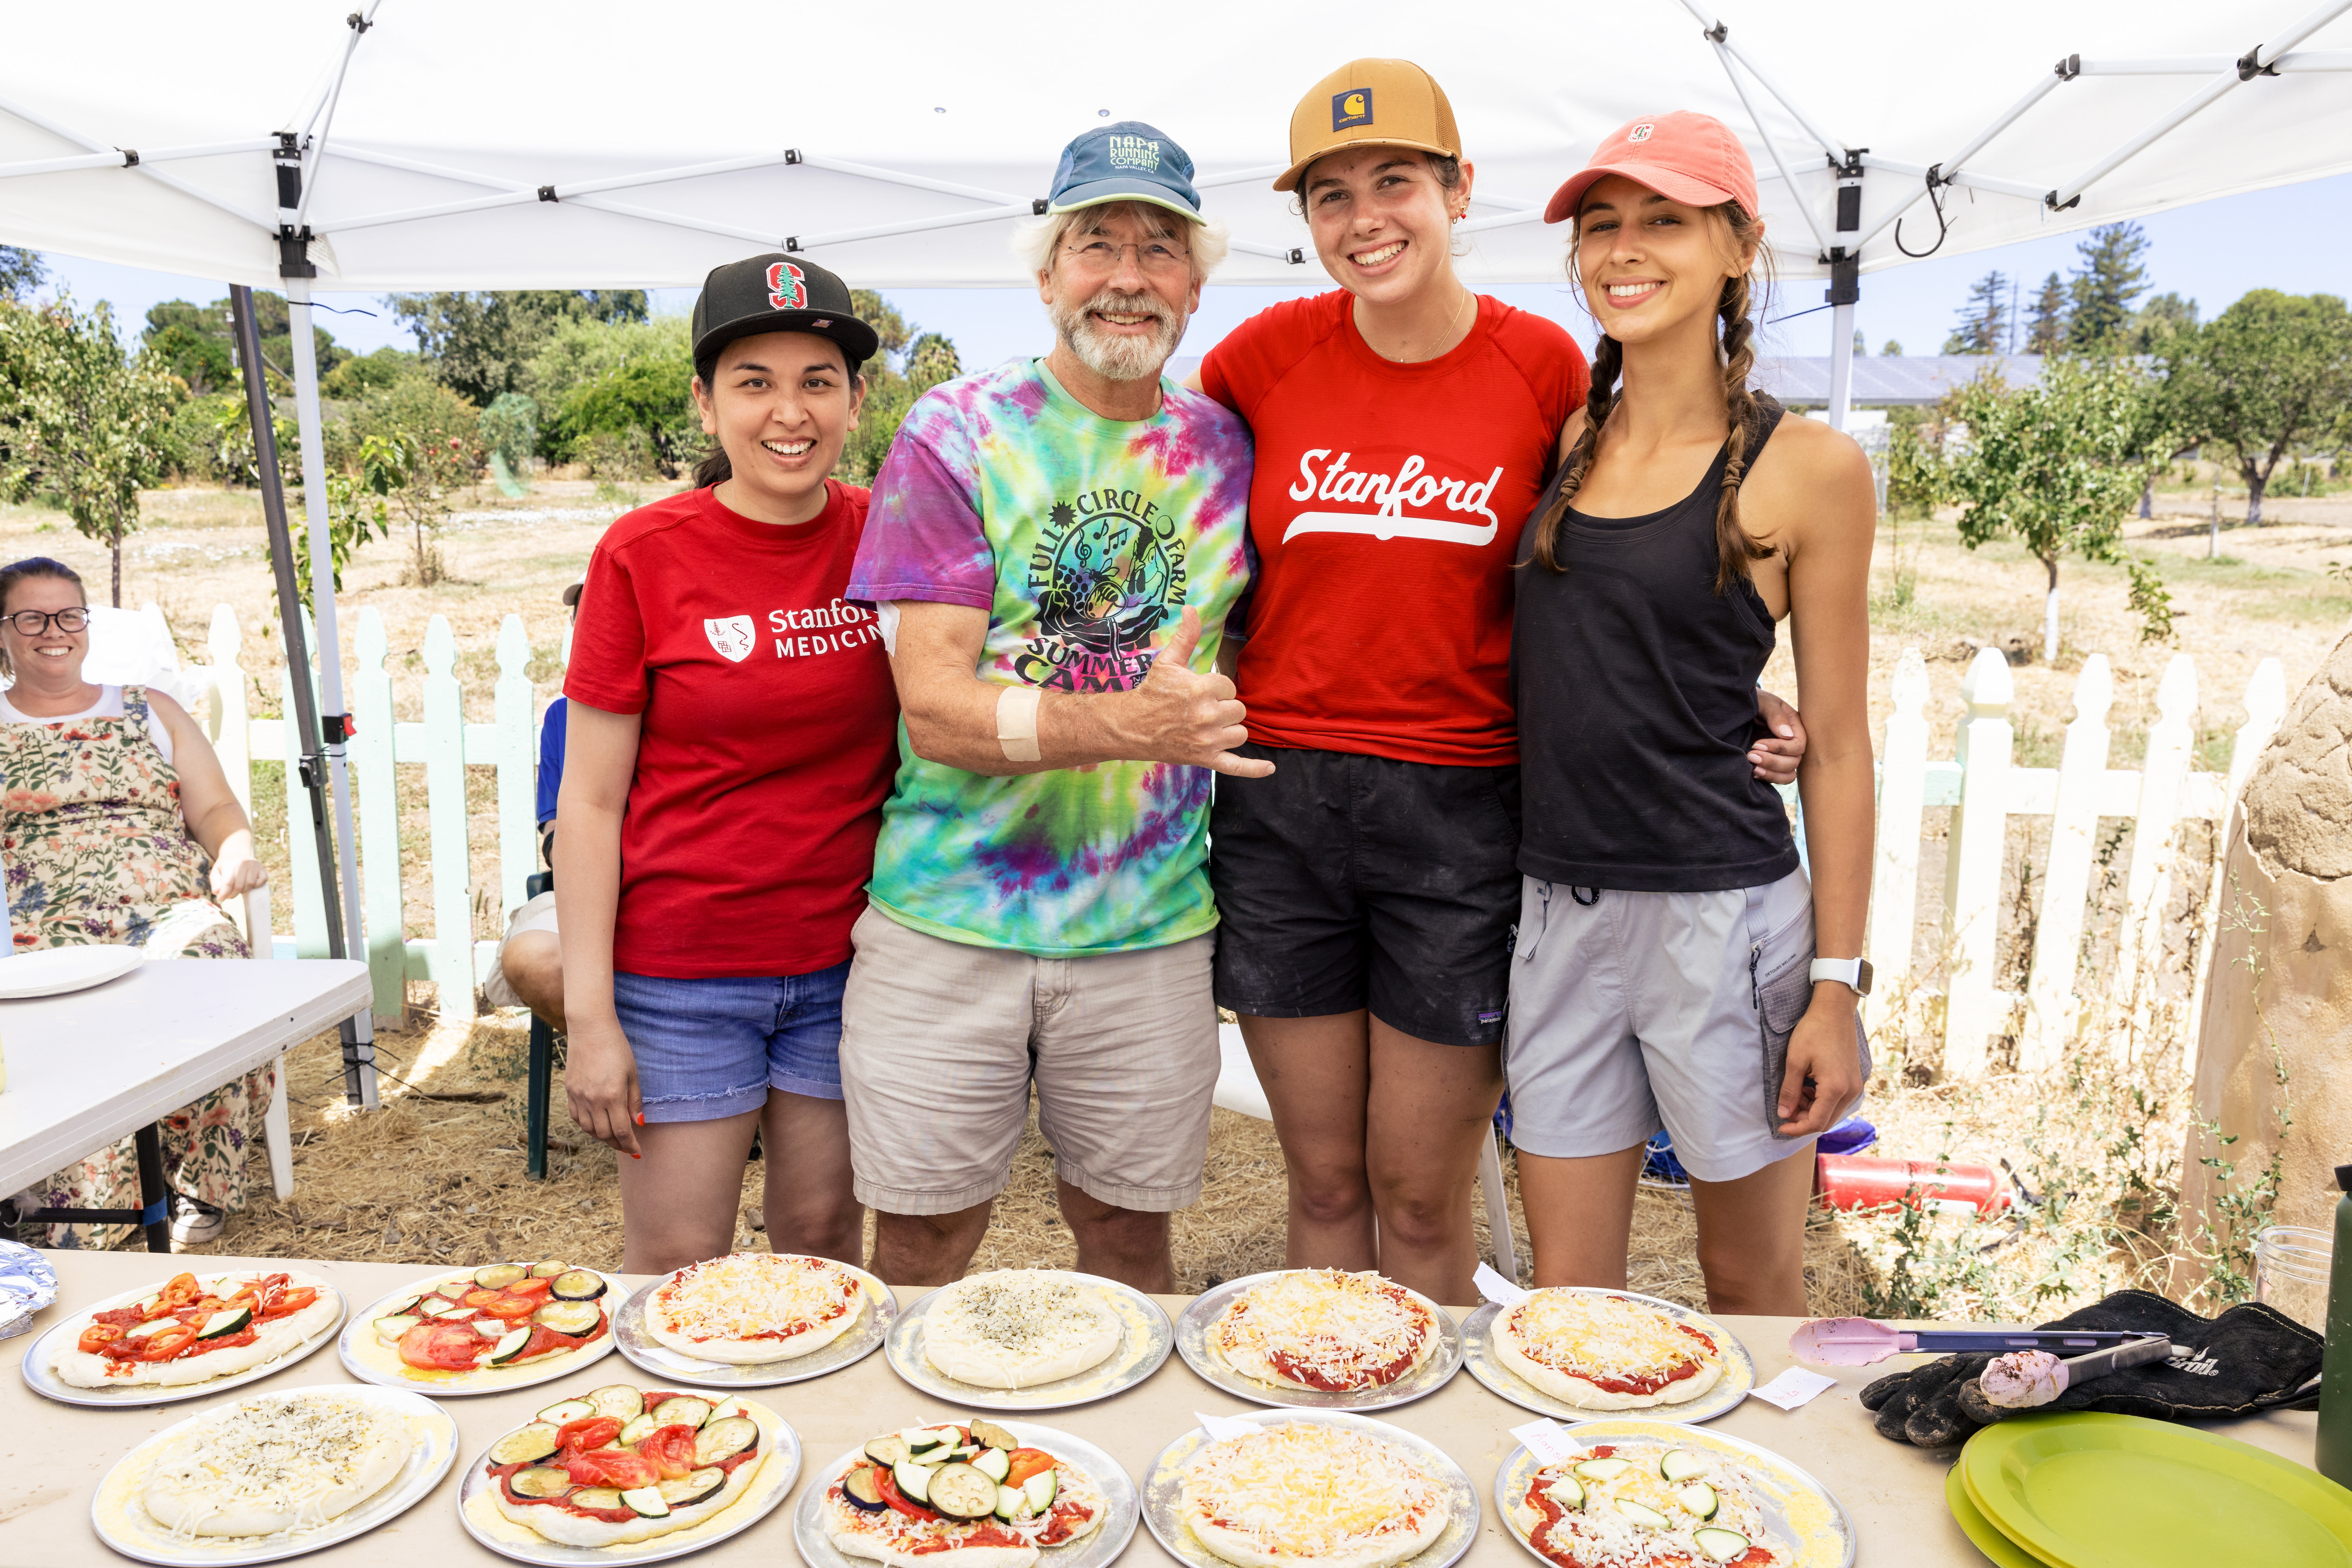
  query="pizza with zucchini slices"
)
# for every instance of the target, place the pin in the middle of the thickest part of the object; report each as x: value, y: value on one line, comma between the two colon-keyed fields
x: 1325, y: 1329
x: 749, y: 1308
x: 1019, y: 1328
x: 1646, y: 1505
x: 193, y: 1329
x: 969, y: 1496
x: 1601, y: 1352
x: 1307, y: 1494
x: 625, y: 1465
x: 275, y: 1465
x: 476, y: 1323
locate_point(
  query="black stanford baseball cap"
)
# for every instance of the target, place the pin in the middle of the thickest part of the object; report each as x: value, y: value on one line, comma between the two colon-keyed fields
x: 778, y: 293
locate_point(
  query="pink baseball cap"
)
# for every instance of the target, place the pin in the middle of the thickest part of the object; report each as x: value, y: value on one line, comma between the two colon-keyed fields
x: 1685, y: 156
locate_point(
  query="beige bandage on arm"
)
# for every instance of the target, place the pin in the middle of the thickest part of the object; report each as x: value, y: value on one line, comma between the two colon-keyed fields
x: 1016, y: 723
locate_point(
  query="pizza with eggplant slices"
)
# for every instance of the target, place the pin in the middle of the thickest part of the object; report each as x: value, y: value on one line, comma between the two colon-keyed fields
x: 969, y: 1495
x: 195, y: 1329
x: 625, y: 1465
x: 1647, y: 1505
x: 1325, y: 1329
x: 481, y: 1327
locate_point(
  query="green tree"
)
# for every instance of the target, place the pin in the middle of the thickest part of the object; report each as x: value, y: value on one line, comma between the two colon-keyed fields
x: 21, y: 271
x: 2100, y: 293
x: 361, y: 373
x: 1891, y: 350
x: 2272, y: 373
x: 930, y: 359
x: 479, y: 343
x: 1984, y: 319
x: 192, y: 342
x: 90, y: 425
x: 2045, y: 333
x: 647, y: 395
x: 2056, y: 466
x: 2159, y: 321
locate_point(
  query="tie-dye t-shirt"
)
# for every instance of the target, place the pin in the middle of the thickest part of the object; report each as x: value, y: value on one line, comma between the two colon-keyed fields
x: 1083, y: 538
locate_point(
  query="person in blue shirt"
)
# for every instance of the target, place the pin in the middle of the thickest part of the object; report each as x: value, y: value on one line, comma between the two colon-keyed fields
x: 530, y: 962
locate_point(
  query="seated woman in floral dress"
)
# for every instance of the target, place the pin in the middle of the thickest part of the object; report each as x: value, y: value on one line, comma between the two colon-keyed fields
x: 118, y: 828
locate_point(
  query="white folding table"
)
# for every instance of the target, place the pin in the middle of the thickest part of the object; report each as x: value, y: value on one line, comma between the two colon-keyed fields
x: 86, y: 1068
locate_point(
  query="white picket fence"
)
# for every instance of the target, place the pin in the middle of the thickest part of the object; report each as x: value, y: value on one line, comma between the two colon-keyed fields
x: 1979, y: 788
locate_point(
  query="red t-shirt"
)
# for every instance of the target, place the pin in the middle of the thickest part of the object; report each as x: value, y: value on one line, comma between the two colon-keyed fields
x: 770, y: 737
x: 1386, y: 509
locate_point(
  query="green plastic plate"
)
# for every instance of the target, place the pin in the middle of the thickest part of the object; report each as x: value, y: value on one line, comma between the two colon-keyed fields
x: 2088, y: 1490
x: 2003, y: 1551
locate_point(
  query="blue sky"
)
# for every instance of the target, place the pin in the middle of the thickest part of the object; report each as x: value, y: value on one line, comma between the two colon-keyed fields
x: 2297, y: 238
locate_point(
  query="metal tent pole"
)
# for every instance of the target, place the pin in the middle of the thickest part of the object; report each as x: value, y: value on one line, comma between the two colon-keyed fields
x: 359, y: 1050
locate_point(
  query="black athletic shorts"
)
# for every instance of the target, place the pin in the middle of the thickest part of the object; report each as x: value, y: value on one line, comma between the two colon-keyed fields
x: 1348, y: 882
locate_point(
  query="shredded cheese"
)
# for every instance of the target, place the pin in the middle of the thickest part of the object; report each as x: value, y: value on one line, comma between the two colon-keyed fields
x: 1021, y: 1311
x: 1606, y: 1336
x: 282, y: 1455
x: 1308, y: 1490
x: 755, y: 1295
x: 1595, y: 1534
x: 1327, y: 1328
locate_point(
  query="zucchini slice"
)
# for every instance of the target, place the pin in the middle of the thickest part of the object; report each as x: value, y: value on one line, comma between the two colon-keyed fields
x: 549, y: 1269
x: 913, y: 1479
x: 227, y: 1322
x: 646, y: 1502
x: 1697, y: 1498
x: 389, y: 1330
x: 886, y: 1451
x: 400, y: 1305
x: 510, y: 1345
x: 961, y: 1492
x: 1012, y: 1504
x: 434, y: 1307
x: 491, y: 1328
x: 1679, y: 1465
x: 499, y: 1276
x: 724, y: 1439
x: 568, y: 1410
x: 1567, y: 1492
x: 859, y: 1486
x: 635, y: 1431
x: 524, y: 1444
x: 1641, y: 1514
x: 577, y: 1285
x: 993, y: 1463
x: 617, y: 1400
x: 1041, y: 1488
x: 541, y: 1481
x: 678, y: 1410
x: 572, y: 1318
x: 922, y: 1439
x: 1602, y: 1469
x: 684, y: 1491
x: 1720, y: 1544
x: 988, y: 1434
x: 598, y: 1497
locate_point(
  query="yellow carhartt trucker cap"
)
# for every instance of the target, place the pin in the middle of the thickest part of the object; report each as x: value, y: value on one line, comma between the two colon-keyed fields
x: 1381, y: 103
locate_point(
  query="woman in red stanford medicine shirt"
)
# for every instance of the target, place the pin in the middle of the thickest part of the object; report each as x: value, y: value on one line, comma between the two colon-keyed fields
x: 732, y: 734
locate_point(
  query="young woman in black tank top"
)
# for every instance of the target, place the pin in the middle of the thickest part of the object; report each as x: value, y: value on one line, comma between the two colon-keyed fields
x: 1664, y: 970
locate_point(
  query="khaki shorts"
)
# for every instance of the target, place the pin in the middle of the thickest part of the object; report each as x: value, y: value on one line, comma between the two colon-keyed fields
x: 537, y: 914
x: 940, y: 1041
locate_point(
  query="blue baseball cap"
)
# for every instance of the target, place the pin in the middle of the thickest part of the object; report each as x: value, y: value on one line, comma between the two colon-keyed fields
x: 1126, y: 162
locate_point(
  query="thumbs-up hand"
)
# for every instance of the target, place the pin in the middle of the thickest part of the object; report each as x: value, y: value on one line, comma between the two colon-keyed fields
x: 1179, y: 715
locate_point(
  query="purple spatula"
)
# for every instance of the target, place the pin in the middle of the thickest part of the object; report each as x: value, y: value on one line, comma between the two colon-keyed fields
x: 1859, y: 1342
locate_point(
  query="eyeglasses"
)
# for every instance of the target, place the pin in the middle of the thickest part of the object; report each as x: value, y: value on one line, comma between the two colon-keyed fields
x: 1152, y: 256
x: 33, y: 623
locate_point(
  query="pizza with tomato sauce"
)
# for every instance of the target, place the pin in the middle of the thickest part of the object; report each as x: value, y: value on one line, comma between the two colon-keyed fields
x: 485, y: 1328
x: 625, y: 1465
x: 749, y: 1308
x: 1325, y: 1329
x: 969, y: 1495
x: 1604, y: 1352
x: 1307, y: 1494
x: 1647, y: 1505
x: 195, y: 1329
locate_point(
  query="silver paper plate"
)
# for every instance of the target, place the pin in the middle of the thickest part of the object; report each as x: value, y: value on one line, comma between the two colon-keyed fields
x: 780, y: 1469
x: 639, y: 1346
x: 43, y: 1379
x: 1799, y: 1510
x: 364, y: 1323
x: 1163, y: 1488
x: 27, y: 1284
x: 1094, y: 1550
x: 1191, y: 1343
x: 133, y: 1533
x: 1730, y: 1389
x: 1145, y: 1338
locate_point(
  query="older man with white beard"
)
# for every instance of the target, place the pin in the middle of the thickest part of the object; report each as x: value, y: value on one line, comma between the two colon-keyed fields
x: 1055, y: 546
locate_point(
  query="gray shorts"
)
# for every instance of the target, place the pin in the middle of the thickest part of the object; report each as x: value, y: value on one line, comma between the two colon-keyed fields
x: 940, y: 1041
x: 1643, y: 1010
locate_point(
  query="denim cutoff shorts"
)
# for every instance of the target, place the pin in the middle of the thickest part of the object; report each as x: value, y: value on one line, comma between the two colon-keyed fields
x: 711, y: 1048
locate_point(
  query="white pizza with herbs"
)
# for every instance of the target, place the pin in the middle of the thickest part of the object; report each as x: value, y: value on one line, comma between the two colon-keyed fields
x: 195, y: 1329
x: 1327, y: 1330
x: 276, y: 1465
x: 1019, y: 1328
x: 1311, y: 1495
x: 749, y: 1308
x: 474, y: 1326
x: 625, y: 1465
x: 968, y: 1495
x: 1647, y: 1505
x: 1601, y: 1352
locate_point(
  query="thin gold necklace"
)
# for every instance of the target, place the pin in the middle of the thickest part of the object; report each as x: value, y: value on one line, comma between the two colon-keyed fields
x: 1469, y: 297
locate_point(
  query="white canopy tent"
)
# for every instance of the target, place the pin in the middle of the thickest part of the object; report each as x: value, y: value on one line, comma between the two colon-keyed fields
x: 436, y: 143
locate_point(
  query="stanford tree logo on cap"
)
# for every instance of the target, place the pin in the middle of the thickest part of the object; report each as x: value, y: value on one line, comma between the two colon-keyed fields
x: 1353, y: 107
x: 787, y: 287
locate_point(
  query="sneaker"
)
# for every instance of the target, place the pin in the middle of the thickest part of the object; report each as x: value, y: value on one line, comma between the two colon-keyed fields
x: 194, y: 1222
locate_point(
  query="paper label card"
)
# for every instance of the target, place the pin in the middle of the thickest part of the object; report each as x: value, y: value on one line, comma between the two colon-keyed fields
x: 1220, y: 1427
x: 1792, y: 1388
x: 1497, y: 1289
x: 1548, y: 1441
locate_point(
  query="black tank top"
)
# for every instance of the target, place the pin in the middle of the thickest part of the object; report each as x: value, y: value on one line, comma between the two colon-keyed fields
x: 1635, y: 683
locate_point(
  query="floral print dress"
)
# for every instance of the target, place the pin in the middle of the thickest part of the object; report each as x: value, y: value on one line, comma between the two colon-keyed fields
x: 98, y: 853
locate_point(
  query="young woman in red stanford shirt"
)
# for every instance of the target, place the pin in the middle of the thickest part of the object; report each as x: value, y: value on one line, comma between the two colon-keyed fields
x: 1366, y: 891
x: 732, y: 734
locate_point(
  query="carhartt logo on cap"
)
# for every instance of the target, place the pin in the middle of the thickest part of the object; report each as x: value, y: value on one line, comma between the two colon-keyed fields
x: 1353, y: 107
x: 787, y: 289
x: 1640, y: 133
x: 1134, y: 153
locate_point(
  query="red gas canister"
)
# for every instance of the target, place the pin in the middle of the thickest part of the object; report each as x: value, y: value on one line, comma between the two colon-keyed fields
x: 1859, y: 1181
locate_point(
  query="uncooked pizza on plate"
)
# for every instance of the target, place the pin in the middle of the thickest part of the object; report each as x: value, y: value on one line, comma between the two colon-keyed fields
x: 748, y: 1309
x: 1653, y: 1504
x: 1018, y: 1328
x: 191, y: 1331
x: 1325, y: 1330
x: 966, y: 1494
x: 623, y: 1465
x: 477, y: 1331
x: 1311, y: 1494
x: 1603, y: 1350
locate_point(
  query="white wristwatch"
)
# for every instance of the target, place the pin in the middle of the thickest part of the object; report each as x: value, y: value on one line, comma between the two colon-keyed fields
x: 1853, y: 972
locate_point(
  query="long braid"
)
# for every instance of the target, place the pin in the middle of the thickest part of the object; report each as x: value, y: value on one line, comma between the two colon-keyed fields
x: 1734, y: 548
x: 1600, y: 398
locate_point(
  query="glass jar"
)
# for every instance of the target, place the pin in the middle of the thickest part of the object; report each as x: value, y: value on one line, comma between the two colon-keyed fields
x: 2291, y: 1272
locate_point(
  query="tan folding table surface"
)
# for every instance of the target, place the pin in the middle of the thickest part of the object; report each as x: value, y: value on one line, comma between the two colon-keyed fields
x: 54, y: 1455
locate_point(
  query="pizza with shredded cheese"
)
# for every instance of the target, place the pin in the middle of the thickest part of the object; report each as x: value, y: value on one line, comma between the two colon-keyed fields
x: 966, y: 1494
x: 278, y: 1465
x: 1310, y: 1494
x: 1648, y: 1505
x: 749, y: 1308
x: 1018, y: 1328
x: 1604, y: 1352
x: 1327, y: 1330
x: 192, y: 1330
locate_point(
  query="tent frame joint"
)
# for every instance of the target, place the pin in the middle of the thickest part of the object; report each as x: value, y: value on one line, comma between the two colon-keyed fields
x: 1717, y: 33
x: 2069, y: 67
x: 2249, y: 65
x: 547, y: 193
x: 294, y: 252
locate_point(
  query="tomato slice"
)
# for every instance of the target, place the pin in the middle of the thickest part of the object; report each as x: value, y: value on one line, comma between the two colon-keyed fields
x: 442, y: 1347
x: 531, y: 1288
x: 588, y: 1432
x: 178, y: 1292
x: 501, y: 1304
x: 671, y: 1450
x: 612, y: 1467
x: 290, y: 1301
x: 166, y: 1344
x: 884, y: 1483
x: 97, y: 1336
x: 1027, y: 1462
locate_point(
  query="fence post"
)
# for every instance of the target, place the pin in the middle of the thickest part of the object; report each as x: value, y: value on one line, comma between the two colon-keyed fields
x: 2161, y: 773
x: 1973, y: 864
x: 511, y: 703
x: 373, y: 747
x: 445, y: 793
x: 1895, y: 893
x: 2050, y: 1005
x: 2265, y: 706
x: 232, y: 712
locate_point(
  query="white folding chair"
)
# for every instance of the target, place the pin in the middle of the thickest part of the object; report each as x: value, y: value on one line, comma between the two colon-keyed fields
x: 276, y: 1132
x: 1238, y: 1089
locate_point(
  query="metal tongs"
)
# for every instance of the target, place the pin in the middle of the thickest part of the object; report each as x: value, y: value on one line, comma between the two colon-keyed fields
x: 1859, y: 1342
